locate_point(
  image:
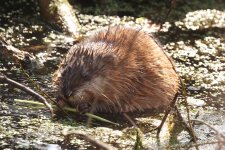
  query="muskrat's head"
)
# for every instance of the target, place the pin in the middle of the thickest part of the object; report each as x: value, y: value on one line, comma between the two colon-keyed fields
x: 81, y: 76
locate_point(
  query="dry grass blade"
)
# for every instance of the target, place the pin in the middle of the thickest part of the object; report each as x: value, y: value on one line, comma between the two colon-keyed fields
x: 67, y: 109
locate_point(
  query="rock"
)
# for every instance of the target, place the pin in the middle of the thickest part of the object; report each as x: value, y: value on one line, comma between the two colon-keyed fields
x: 195, y: 102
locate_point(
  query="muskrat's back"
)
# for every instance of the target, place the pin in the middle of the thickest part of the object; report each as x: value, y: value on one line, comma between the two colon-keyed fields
x: 118, y: 69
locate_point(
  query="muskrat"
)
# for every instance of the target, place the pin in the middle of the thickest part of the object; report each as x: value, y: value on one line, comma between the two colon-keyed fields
x: 117, y: 69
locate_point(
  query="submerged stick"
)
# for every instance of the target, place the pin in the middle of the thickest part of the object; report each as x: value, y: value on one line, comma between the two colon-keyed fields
x: 31, y: 92
x: 67, y: 109
x: 99, y: 144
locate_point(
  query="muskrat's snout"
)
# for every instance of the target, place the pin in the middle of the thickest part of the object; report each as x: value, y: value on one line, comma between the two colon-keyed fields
x: 80, y: 96
x: 82, y: 101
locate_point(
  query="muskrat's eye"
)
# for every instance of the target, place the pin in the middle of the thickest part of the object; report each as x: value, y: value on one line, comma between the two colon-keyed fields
x: 85, y: 75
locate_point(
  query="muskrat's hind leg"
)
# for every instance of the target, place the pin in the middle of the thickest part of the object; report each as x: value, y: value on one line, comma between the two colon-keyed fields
x: 172, y: 106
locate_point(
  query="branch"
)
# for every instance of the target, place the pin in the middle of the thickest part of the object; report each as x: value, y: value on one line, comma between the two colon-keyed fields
x: 184, y: 93
x: 61, y: 14
x: 4, y: 79
x: 211, y: 127
x: 130, y: 120
x: 10, y: 52
x: 99, y: 144
x: 96, y: 142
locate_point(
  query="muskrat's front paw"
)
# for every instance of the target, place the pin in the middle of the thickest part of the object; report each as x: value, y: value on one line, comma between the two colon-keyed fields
x: 83, y: 108
x: 61, y: 103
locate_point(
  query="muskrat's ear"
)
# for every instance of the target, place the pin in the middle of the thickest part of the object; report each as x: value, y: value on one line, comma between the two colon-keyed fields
x: 110, y: 59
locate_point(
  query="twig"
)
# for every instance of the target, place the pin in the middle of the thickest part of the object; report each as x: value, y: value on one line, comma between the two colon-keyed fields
x: 96, y: 142
x: 206, y: 143
x: 188, y: 113
x: 5, y: 79
x: 42, y: 92
x: 172, y: 4
x: 130, y: 120
x: 138, y: 142
x: 99, y: 144
x: 172, y: 104
x: 208, y: 125
x: 188, y: 129
x: 158, y: 128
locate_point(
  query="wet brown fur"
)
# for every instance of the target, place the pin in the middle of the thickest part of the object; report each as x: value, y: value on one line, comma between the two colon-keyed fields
x: 120, y: 69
